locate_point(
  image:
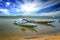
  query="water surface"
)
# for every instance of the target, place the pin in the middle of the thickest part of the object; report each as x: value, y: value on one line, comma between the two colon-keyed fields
x: 8, y: 28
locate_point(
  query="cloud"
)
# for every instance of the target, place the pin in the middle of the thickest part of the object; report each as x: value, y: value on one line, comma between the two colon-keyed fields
x: 49, y: 13
x: 30, y: 7
x: 43, y: 14
x: 5, y: 11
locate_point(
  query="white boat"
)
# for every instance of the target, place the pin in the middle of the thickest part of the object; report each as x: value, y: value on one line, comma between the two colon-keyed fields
x: 39, y: 21
x: 24, y: 23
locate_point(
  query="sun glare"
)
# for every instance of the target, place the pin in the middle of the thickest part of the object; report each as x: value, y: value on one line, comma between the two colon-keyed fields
x: 28, y: 7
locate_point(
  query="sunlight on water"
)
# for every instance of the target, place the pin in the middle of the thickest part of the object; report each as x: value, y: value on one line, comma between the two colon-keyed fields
x: 7, y: 26
x: 9, y: 29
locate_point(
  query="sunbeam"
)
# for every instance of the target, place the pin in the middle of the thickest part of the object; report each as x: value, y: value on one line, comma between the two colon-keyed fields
x: 28, y: 7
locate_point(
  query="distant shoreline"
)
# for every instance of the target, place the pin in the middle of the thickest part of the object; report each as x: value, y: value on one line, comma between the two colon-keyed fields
x: 36, y: 17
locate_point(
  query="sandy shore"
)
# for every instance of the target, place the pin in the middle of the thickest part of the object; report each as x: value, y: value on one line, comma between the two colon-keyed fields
x: 47, y: 37
x: 43, y: 37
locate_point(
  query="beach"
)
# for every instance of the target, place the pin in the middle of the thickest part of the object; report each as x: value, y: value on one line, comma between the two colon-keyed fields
x: 42, y: 37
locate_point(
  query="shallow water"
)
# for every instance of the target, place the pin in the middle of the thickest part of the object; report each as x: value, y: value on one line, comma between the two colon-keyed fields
x: 8, y: 28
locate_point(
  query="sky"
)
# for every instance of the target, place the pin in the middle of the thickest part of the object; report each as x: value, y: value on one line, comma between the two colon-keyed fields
x: 30, y: 7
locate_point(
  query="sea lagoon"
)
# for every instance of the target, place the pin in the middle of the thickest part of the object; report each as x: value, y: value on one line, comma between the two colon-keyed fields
x: 9, y: 29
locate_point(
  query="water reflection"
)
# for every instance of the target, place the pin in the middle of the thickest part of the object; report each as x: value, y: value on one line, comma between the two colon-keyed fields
x: 46, y: 25
x: 25, y: 28
x: 31, y: 28
x: 59, y: 21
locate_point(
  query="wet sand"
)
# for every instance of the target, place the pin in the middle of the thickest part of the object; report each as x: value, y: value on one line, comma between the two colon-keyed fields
x: 41, y: 37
